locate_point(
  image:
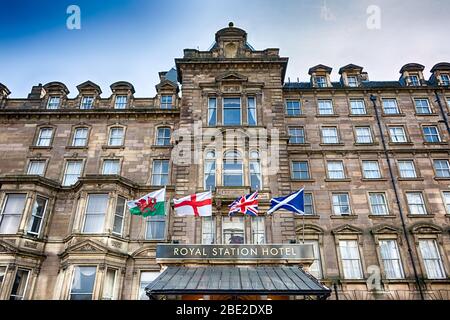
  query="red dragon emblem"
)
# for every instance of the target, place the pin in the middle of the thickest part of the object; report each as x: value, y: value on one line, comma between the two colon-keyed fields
x: 146, y: 205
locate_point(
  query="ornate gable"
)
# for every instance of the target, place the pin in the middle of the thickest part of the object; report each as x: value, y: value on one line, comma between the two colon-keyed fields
x: 309, y: 229
x: 6, y: 247
x: 231, y: 77
x: 88, y: 246
x: 427, y: 228
x: 385, y: 229
x: 347, y: 229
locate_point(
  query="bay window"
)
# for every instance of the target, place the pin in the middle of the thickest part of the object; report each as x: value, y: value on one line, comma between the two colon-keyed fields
x: 251, y: 111
x: 212, y: 112
x: 232, y: 111
x: 97, y: 205
x: 119, y: 214
x: 37, y: 216
x: 255, y: 171
x: 233, y: 169
x: 83, y: 283
x: 20, y: 284
x: 12, y: 210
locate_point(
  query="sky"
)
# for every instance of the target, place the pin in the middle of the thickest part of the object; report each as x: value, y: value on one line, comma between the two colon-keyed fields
x: 135, y: 39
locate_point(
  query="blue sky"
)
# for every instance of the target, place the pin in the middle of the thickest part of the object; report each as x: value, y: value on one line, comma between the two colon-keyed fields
x: 133, y: 40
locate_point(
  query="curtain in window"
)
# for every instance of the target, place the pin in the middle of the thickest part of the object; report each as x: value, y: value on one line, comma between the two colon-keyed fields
x: 36, y: 167
x: 73, y: 172
x: 95, y: 213
x: 251, y: 111
x: 12, y: 213
x: 350, y: 259
x: 156, y: 228
x: 19, y: 285
x: 208, y: 230
x: 391, y: 259
x: 432, y: 259
x: 83, y: 283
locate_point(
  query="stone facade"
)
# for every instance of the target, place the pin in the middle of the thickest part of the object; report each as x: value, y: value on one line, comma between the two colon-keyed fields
x: 48, y: 258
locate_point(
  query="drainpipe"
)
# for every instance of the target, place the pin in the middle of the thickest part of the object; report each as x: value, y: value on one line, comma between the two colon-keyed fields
x: 443, y: 113
x: 373, y: 98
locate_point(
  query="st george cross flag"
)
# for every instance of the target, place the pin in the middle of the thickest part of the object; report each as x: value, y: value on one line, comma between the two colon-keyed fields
x: 246, y: 204
x: 199, y: 205
x: 294, y: 202
x: 151, y: 204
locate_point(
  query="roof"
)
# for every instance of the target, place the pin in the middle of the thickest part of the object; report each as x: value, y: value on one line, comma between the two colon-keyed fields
x: 441, y: 66
x: 412, y: 67
x: 236, y: 280
x: 320, y: 67
x: 338, y: 85
x: 350, y: 66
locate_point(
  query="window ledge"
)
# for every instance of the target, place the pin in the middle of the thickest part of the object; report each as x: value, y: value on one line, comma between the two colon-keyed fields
x: 350, y: 281
x: 374, y: 180
x: 338, y: 180
x: 327, y: 115
x: 350, y: 216
x: 366, y: 144
x: 441, y: 178
x: 303, y: 180
x: 307, y: 216
x: 359, y: 115
x: 332, y: 144
x: 295, y: 116
x: 393, y: 115
x: 411, y: 179
x: 401, y: 143
x: 299, y: 144
x: 169, y: 146
x: 409, y: 215
x: 381, y: 216
x: 113, y: 147
x: 76, y: 148
x: 447, y: 215
x: 40, y: 148
x: 442, y: 143
x: 425, y: 114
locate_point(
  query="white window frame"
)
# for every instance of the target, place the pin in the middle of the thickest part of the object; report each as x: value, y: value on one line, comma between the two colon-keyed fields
x: 333, y: 176
x: 73, y: 280
x: 432, y: 135
x: 359, y: 272
x: 166, y: 140
x: 322, y: 102
x: 20, y: 215
x: 243, y: 228
x: 212, y: 107
x: 111, y: 137
x: 160, y: 174
x: 120, y: 104
x: 252, y: 108
x: 294, y: 111
x: 353, y: 82
x: 383, y: 204
x: 420, y: 206
x: 296, y: 136
x: 327, y: 138
x: 441, y: 168
x: 393, y: 260
x: 340, y: 205
x: 87, y: 101
x: 157, y: 219
x: 420, y: 108
x: 116, y: 215
x: 359, y: 103
x: 33, y: 216
x: 163, y: 101
x: 35, y: 161
x: 394, y: 134
x: 213, y: 233
x: 28, y: 271
x: 402, y: 171
x: 51, y: 104
x: 393, y: 105
x: 65, y: 174
x: 360, y: 139
x: 438, y: 259
x: 49, y: 139
x: 293, y: 171
x: 257, y: 230
x: 240, y: 111
x: 369, y: 171
x: 75, y: 138
x: 95, y: 214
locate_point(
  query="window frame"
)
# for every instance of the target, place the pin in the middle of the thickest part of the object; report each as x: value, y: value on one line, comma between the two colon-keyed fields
x: 254, y: 233
x: 213, y: 232
x: 364, y: 170
x: 73, y: 280
x: 157, y: 219
x: 27, y: 282
x: 336, y: 129
x: 85, y: 215
x: 298, y: 112
x: 2, y: 212
x: 110, y: 131
x: 417, y: 108
x: 83, y: 104
x: 209, y: 118
x: 397, y: 107
x: 416, y: 173
x: 39, y: 138
x: 163, y: 104
x: 435, y: 134
x: 385, y: 204
x: 236, y: 160
x: 115, y: 215
x: 365, y: 113
x: 224, y: 109
x: 44, y: 169
x: 333, y: 206
x: 447, y: 176
x: 74, y: 137
x: 255, y: 107
x: 423, y: 204
x: 37, y: 234
x: 399, y: 259
x: 65, y: 171
x: 360, y: 262
x: 160, y: 174
x: 319, y: 110
x: 391, y: 140
x: 344, y: 174
x: 369, y: 128
x: 121, y: 104
x: 164, y: 138
x: 243, y: 228
x: 51, y: 103
x: 293, y: 171
x: 297, y: 129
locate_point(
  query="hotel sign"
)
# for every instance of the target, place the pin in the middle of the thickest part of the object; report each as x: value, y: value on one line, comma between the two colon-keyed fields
x: 235, y: 252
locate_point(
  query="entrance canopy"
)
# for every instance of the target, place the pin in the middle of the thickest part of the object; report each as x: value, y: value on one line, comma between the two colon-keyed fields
x: 236, y: 280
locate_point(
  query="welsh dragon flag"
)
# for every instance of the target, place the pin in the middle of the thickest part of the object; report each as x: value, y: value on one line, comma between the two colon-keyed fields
x: 152, y: 204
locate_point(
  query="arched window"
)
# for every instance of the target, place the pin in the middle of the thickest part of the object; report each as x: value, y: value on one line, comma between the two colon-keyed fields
x: 116, y: 135
x: 255, y: 170
x: 210, y: 170
x: 232, y: 169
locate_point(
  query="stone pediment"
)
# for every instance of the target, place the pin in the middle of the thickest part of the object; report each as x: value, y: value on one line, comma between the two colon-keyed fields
x: 148, y: 252
x: 309, y: 229
x: 6, y: 247
x: 231, y: 77
x: 87, y: 246
x: 166, y: 84
x: 426, y: 228
x: 346, y: 229
x: 385, y: 229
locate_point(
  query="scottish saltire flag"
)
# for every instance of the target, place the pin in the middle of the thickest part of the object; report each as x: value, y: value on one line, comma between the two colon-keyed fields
x: 246, y: 204
x: 294, y: 202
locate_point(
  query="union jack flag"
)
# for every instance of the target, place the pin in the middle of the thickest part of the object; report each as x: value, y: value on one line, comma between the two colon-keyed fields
x: 246, y: 204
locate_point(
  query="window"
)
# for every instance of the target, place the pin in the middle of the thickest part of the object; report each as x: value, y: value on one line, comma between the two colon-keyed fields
x: 109, y: 285
x: 233, y: 230
x: 166, y: 102
x: 390, y: 106
x: 407, y: 169
x: 442, y: 168
x: 212, y: 112
x: 335, y: 170
x: 97, y: 205
x: 73, y: 172
x: 208, y: 230
x: 156, y: 228
x: 145, y: 279
x: 330, y: 135
x: 255, y: 171
x: 119, y: 216
x: 321, y: 82
x: 390, y: 256
x: 446, y: 195
x: 163, y: 137
x: 300, y: 170
x: 309, y: 204
x: 432, y: 259
x: 53, y: 102
x: 210, y: 170
x: 80, y: 137
x: 422, y: 106
x: 378, y: 204
x: 416, y: 203
x: 2, y: 275
x: 83, y: 283
x: 20, y: 285
x: 116, y: 137
x: 351, y: 261
x: 36, y: 167
x: 357, y: 106
x: 111, y: 166
x: 12, y: 210
x: 121, y: 102
x: 251, y: 111
x: 232, y: 111
x: 398, y: 135
x: 258, y: 230
x: 371, y: 170
x: 431, y: 134
x: 325, y: 107
x: 352, y: 81
x: 363, y: 135
x: 45, y: 137
x: 37, y: 216
x: 445, y: 79
x: 160, y: 174
x: 293, y: 108
x: 316, y: 267
x: 414, y: 80
x: 341, y: 204
x: 296, y: 135
x: 87, y: 103
x: 232, y: 169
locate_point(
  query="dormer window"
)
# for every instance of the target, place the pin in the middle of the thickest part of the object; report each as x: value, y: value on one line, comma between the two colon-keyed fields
x: 445, y: 79
x: 166, y: 102
x: 121, y: 102
x: 53, y: 102
x: 321, y: 82
x: 87, y: 102
x: 352, y: 81
x: 415, y: 81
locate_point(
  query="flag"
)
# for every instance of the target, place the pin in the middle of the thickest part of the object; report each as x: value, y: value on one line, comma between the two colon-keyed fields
x: 294, y: 202
x: 151, y: 204
x: 199, y: 205
x: 246, y: 204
